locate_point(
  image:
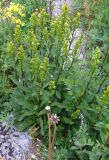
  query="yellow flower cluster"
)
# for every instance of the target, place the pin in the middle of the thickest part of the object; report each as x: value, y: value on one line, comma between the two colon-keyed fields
x: 44, y: 68
x: 105, y: 97
x: 52, y: 86
x: 107, y: 126
x: 75, y: 114
x: 21, y: 53
x: 39, y: 19
x: 77, y: 45
x: 13, y: 12
x: 76, y: 21
x: 17, y: 34
x: 65, y: 48
x: 34, y: 19
x: 107, y: 91
x: 34, y: 64
x: 96, y: 57
x: 33, y: 42
x: 11, y: 48
x: 60, y: 27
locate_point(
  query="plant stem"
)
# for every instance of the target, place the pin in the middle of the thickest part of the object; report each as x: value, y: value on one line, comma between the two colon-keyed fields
x: 54, y: 134
x: 49, y: 134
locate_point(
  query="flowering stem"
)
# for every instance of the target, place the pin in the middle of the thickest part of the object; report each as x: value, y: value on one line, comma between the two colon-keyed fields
x: 52, y: 120
x: 54, y: 134
x: 49, y: 134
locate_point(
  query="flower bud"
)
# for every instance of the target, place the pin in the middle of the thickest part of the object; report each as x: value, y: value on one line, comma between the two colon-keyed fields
x: 48, y: 108
x: 33, y: 156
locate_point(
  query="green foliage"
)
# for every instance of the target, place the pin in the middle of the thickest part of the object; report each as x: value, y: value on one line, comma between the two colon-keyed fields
x: 100, y: 24
x: 36, y: 63
x: 59, y: 153
x: 95, y: 20
x: 36, y: 70
x: 87, y: 148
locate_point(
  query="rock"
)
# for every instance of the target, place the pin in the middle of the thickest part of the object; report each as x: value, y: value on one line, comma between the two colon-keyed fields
x: 14, y: 145
x: 58, y: 4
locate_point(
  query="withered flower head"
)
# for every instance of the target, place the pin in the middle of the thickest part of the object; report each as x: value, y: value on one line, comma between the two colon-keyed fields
x: 54, y: 119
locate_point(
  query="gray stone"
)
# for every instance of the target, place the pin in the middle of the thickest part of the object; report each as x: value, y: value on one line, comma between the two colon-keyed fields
x: 14, y: 145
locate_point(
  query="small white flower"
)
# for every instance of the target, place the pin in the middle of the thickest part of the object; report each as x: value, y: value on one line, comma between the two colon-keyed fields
x: 19, y: 80
x: 51, y: 76
x: 48, y: 108
x: 33, y: 156
x: 55, y: 147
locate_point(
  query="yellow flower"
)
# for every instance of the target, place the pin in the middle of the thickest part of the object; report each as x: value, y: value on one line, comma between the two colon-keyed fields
x: 21, y: 53
x: 52, y: 85
x: 76, y: 21
x: 106, y: 92
x: 15, y: 8
x: 33, y: 42
x: 75, y: 114
x: 17, y: 21
x: 17, y: 34
x: 108, y: 88
x: 107, y: 126
x: 105, y: 98
x: 14, y: 12
x: 98, y: 108
x: 10, y: 48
